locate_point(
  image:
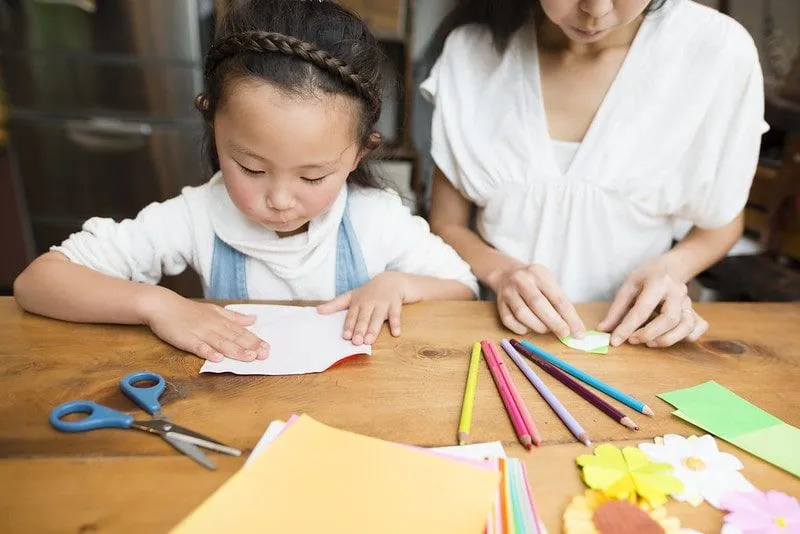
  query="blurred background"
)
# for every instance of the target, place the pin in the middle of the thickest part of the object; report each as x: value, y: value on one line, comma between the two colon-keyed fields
x: 97, y: 119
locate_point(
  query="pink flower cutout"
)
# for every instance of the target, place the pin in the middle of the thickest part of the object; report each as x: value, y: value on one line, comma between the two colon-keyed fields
x: 757, y: 512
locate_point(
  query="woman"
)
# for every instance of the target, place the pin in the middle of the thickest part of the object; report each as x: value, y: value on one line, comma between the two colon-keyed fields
x: 581, y: 130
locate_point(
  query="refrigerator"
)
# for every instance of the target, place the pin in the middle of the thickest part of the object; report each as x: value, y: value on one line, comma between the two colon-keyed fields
x: 101, y: 112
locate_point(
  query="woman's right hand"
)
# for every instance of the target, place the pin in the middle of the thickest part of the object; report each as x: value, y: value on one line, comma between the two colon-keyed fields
x: 529, y: 298
x: 206, y: 330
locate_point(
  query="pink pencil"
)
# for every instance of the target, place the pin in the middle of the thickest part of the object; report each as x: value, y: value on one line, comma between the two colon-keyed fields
x: 521, y: 406
x: 490, y: 355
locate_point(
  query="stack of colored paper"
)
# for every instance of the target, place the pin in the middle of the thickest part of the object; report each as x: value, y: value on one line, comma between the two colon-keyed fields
x: 314, y: 478
x: 513, y: 510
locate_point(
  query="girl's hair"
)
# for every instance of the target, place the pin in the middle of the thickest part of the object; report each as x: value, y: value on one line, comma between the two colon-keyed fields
x: 502, y: 17
x: 305, y: 47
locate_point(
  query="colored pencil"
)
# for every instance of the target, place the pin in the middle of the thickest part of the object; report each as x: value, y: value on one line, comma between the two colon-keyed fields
x: 505, y: 395
x: 512, y: 388
x: 611, y: 391
x: 569, y: 421
x: 564, y: 378
x: 469, y: 394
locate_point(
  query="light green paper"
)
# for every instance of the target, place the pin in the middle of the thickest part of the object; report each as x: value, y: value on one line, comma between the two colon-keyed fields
x: 594, y: 342
x: 777, y: 444
x: 719, y: 411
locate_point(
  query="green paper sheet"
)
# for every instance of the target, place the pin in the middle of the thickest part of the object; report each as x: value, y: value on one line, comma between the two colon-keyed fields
x: 594, y: 342
x: 721, y: 412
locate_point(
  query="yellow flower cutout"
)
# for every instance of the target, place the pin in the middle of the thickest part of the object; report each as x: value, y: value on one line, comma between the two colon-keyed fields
x: 626, y: 473
x: 595, y: 513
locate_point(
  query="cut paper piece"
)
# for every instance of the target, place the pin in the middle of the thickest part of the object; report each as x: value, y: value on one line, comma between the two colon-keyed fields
x: 315, y: 478
x: 301, y: 341
x: 593, y: 511
x: 628, y: 474
x: 594, y: 342
x: 770, y: 512
x: 706, y: 473
x: 721, y: 412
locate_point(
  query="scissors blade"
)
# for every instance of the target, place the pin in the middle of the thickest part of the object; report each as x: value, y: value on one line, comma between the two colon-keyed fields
x: 189, y: 450
x: 187, y: 436
x: 164, y: 426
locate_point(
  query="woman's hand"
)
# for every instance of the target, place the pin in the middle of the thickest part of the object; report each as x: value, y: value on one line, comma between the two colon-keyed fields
x: 529, y: 298
x: 205, y: 330
x: 650, y: 290
x: 370, y: 305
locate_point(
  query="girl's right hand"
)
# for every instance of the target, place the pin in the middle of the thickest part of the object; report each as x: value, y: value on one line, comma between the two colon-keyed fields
x: 206, y: 330
x: 529, y: 298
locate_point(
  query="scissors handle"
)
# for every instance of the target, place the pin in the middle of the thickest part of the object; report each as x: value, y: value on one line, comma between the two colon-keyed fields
x: 145, y: 397
x: 98, y: 417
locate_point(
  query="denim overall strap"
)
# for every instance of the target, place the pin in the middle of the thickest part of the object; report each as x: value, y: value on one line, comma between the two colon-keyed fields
x: 351, y: 271
x: 228, y: 273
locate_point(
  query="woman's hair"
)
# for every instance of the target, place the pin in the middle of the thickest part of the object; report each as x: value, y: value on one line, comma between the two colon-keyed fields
x: 502, y: 17
x: 304, y: 47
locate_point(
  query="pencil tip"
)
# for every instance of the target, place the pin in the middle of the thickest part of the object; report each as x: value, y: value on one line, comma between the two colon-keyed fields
x: 526, y: 442
x: 584, y: 438
x: 588, y: 443
x: 648, y: 411
x: 627, y: 421
x: 462, y: 438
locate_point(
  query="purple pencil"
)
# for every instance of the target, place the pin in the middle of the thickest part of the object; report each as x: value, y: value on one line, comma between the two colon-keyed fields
x: 569, y: 421
x: 565, y: 379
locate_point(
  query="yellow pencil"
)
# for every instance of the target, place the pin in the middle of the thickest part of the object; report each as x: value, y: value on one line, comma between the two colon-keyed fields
x: 469, y: 394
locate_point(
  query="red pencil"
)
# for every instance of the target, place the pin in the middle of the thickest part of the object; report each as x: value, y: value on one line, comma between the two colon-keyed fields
x: 565, y: 379
x: 521, y: 429
x: 512, y: 388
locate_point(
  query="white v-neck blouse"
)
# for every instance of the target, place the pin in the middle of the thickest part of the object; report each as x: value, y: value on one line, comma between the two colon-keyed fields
x: 676, y: 136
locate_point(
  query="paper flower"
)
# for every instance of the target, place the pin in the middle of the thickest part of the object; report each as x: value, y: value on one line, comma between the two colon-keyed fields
x: 625, y: 473
x: 756, y: 512
x: 706, y: 473
x: 593, y: 512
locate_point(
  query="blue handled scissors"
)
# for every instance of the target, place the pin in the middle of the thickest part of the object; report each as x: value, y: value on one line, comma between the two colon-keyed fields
x: 99, y: 416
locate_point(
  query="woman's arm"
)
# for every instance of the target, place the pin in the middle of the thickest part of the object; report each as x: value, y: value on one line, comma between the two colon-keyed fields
x: 701, y: 248
x: 528, y: 296
x: 660, y: 284
x: 449, y: 218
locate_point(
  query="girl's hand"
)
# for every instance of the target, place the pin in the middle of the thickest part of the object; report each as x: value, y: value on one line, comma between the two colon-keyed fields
x: 370, y: 305
x: 205, y: 330
x: 648, y: 290
x: 528, y: 297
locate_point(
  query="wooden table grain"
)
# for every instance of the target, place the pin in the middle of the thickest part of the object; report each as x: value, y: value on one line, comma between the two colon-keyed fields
x: 409, y: 391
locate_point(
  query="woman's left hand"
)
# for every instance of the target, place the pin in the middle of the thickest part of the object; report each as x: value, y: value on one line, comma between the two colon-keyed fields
x: 651, y: 290
x: 370, y: 305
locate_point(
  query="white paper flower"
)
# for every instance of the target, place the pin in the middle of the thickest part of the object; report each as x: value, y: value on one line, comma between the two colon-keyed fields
x: 707, y: 474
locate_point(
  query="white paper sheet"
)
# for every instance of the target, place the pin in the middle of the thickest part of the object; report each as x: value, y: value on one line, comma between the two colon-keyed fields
x: 301, y: 341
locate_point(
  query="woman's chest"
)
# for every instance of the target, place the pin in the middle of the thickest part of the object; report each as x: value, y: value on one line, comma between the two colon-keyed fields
x: 574, y: 88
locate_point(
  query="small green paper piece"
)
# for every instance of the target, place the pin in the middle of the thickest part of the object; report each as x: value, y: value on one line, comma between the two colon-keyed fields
x: 721, y: 412
x: 594, y: 342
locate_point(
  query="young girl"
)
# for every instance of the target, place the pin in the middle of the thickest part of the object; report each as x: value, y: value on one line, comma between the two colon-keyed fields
x: 293, y: 95
x: 581, y: 130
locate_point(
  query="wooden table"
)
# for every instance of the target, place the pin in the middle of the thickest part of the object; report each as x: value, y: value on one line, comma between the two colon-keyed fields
x: 409, y: 391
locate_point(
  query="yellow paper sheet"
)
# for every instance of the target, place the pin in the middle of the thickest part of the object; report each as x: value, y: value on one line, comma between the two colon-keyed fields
x: 314, y: 478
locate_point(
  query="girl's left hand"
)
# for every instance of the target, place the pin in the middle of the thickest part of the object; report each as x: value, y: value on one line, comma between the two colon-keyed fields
x: 370, y: 305
x: 648, y: 290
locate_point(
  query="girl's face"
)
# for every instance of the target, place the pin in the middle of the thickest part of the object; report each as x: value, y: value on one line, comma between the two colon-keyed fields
x: 588, y: 21
x: 284, y: 158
